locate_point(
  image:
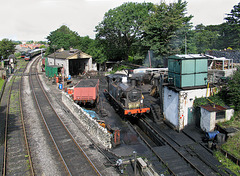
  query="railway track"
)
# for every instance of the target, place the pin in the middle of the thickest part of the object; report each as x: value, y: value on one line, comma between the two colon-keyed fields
x: 17, y: 156
x: 74, y: 159
x: 179, y: 159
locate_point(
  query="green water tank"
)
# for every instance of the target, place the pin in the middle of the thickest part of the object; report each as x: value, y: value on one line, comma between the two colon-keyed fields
x: 187, y: 70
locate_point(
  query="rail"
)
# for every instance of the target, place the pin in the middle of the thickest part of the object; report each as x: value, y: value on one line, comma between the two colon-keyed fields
x: 49, y: 131
x: 22, y: 122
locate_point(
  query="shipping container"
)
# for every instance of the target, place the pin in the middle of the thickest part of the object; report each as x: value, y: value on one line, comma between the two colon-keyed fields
x: 187, y: 70
x: 52, y: 70
x: 86, y: 91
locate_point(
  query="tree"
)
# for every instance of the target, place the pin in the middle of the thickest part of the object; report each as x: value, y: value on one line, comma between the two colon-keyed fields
x: 205, y: 39
x: 121, y: 28
x: 92, y: 47
x: 165, y: 30
x: 233, y: 20
x: 231, y: 92
x: 7, y: 47
x: 62, y: 38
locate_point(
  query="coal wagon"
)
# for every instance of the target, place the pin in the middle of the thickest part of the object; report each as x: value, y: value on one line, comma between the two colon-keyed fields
x: 86, y: 91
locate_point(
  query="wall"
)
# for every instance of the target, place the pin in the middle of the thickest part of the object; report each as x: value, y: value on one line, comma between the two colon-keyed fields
x: 208, y: 119
x: 207, y: 122
x: 170, y: 106
x: 229, y: 114
x: 186, y: 99
x: 61, y: 62
x: 89, y: 124
x: 176, y: 104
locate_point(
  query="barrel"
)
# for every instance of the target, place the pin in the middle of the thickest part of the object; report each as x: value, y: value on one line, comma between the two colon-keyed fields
x: 70, y: 91
x: 60, y: 86
x: 221, y: 138
x: 69, y: 77
x: 57, y: 79
x: 211, y: 135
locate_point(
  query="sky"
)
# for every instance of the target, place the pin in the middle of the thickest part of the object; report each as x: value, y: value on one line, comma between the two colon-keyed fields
x: 34, y: 19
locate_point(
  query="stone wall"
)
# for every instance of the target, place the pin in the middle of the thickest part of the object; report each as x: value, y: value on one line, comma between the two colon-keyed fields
x: 88, y: 123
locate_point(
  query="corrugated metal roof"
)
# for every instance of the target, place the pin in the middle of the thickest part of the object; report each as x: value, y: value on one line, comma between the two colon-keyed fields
x: 210, y: 108
x: 67, y: 54
x: 188, y: 56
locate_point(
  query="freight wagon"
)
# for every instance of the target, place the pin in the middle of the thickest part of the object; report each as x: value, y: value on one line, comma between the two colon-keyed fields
x: 86, y: 91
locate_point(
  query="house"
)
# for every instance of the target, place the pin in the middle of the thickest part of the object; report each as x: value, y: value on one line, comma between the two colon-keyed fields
x: 210, y: 115
x: 73, y: 61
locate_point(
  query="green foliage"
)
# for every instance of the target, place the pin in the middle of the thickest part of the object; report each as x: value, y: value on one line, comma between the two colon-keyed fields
x: 227, y: 162
x: 17, y: 55
x: 233, y: 145
x: 231, y: 92
x: 233, y: 20
x: 121, y: 29
x: 7, y: 47
x: 205, y: 39
x: 164, y: 32
x: 42, y: 46
x: 1, y: 83
x: 119, y: 68
x: 216, y: 99
x: 62, y: 38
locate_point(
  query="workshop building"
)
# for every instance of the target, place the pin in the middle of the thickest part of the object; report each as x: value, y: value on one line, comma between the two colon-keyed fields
x: 73, y: 61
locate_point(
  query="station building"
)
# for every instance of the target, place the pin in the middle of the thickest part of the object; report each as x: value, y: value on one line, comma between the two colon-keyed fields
x: 73, y: 61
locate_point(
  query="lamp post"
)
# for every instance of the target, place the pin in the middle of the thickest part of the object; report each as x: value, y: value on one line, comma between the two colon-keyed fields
x: 135, y: 163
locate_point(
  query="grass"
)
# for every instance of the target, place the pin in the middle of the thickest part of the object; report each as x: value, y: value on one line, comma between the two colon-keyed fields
x: 1, y: 83
x: 227, y: 163
x: 232, y: 145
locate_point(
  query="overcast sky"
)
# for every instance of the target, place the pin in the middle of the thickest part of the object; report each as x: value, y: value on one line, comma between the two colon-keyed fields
x: 35, y: 19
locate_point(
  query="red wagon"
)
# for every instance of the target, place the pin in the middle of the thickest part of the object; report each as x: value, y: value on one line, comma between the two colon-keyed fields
x: 86, y: 91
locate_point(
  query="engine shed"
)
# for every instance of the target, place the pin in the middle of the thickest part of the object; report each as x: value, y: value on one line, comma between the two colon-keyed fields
x: 74, y: 61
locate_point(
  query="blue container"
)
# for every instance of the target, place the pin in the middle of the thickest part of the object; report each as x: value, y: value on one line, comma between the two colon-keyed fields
x: 69, y: 77
x: 60, y: 86
x: 93, y: 114
x: 211, y: 135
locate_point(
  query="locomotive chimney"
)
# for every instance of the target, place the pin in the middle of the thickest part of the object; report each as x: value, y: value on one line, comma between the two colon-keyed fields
x: 133, y: 81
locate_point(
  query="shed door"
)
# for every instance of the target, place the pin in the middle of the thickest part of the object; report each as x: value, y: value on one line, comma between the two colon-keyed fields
x: 194, y: 116
x: 191, y: 119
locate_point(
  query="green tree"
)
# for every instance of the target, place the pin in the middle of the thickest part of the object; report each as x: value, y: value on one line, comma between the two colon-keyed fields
x: 7, y: 47
x: 121, y: 28
x: 205, y: 39
x: 233, y: 20
x: 165, y: 30
x: 92, y: 47
x: 231, y: 92
x: 62, y: 38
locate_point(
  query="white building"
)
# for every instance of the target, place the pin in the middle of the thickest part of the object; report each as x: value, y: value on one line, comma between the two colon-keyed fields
x: 178, y: 106
x: 210, y: 115
x: 73, y: 61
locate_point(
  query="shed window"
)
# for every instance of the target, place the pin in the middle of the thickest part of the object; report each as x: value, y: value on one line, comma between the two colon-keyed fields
x: 220, y: 115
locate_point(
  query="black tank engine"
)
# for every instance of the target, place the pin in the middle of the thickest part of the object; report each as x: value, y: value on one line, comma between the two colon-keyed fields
x: 126, y: 94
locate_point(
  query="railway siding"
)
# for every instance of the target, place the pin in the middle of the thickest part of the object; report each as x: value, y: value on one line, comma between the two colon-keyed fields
x: 17, y: 162
x: 90, y: 124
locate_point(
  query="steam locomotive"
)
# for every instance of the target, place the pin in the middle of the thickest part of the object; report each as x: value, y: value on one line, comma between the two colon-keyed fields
x: 126, y: 95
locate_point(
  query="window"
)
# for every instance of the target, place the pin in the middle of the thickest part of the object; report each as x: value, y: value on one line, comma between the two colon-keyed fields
x: 220, y: 115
